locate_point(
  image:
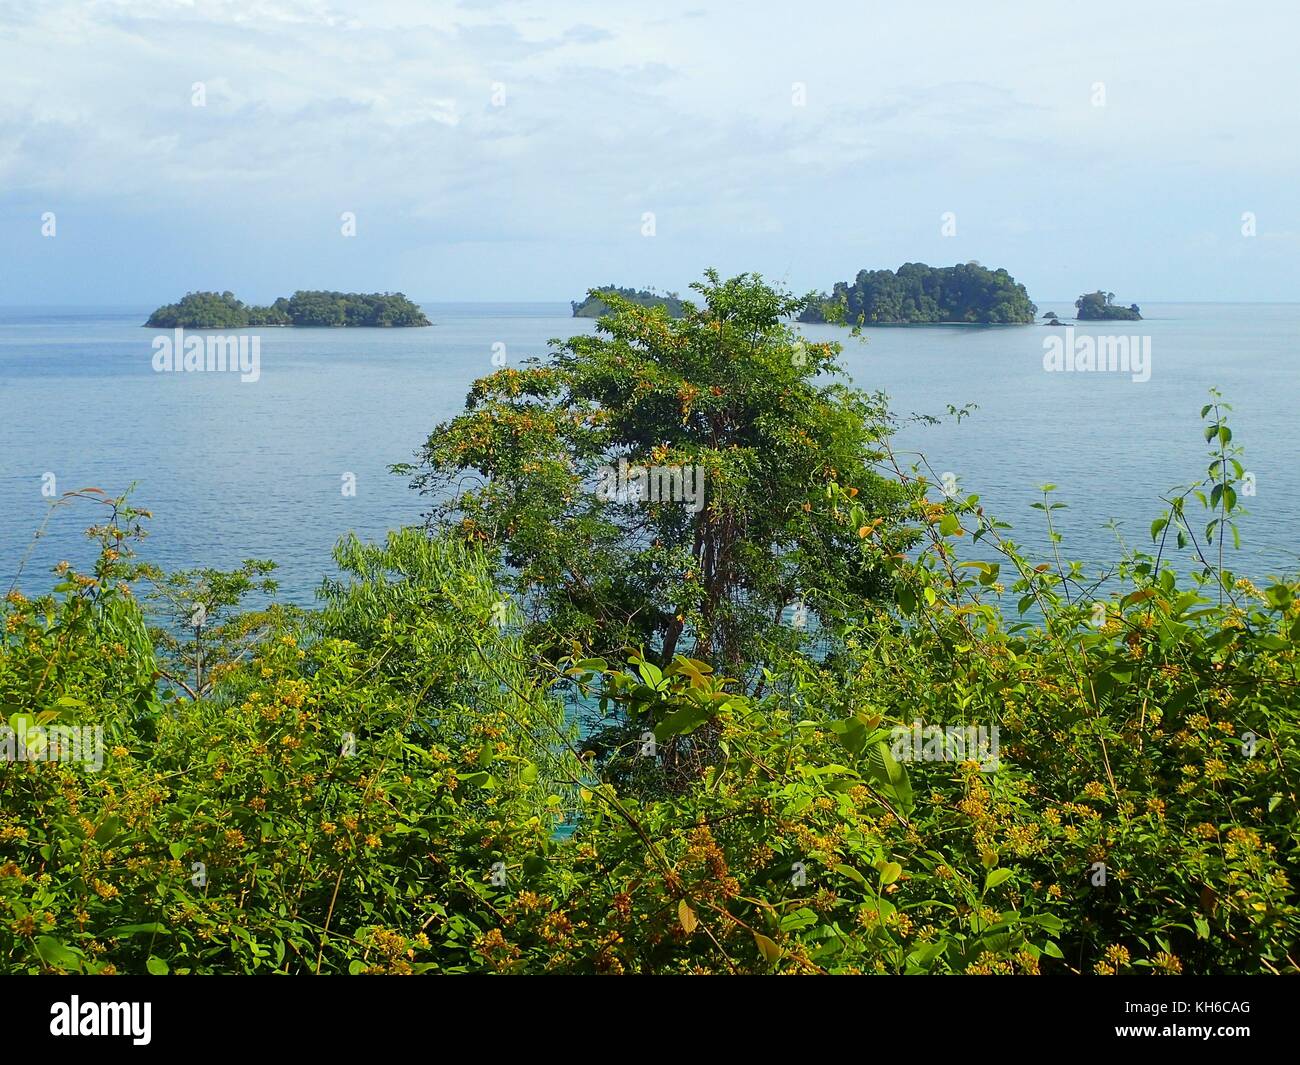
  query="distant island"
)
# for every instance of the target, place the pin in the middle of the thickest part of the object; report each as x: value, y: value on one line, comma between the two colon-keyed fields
x: 916, y: 294
x: 1101, y: 306
x: 593, y: 306
x: 221, y: 310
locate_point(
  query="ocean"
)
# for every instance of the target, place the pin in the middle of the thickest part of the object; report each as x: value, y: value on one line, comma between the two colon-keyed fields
x: 237, y: 469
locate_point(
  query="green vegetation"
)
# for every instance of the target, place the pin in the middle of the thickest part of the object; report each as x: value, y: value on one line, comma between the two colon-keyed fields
x: 212, y: 310
x: 595, y: 306
x: 730, y: 389
x: 920, y: 294
x: 392, y: 784
x: 1101, y: 306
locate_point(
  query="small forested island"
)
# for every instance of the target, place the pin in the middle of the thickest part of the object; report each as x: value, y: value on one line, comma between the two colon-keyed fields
x: 221, y: 310
x: 593, y: 306
x: 967, y: 293
x: 1101, y: 306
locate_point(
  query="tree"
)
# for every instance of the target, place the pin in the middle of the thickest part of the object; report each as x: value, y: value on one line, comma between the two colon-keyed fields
x: 729, y: 393
x: 1100, y: 306
x: 201, y: 310
x: 593, y: 306
x: 201, y: 634
x: 210, y: 310
x: 917, y: 293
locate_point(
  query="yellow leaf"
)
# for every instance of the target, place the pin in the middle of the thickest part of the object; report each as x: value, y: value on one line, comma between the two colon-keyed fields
x: 687, y: 916
x: 768, y: 949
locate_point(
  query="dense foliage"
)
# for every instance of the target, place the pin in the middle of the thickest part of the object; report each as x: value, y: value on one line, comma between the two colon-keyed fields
x: 917, y: 293
x: 1101, y: 306
x: 212, y: 310
x: 728, y: 403
x: 595, y: 306
x: 394, y: 783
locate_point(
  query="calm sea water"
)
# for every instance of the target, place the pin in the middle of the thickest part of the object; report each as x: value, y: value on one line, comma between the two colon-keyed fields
x: 237, y: 470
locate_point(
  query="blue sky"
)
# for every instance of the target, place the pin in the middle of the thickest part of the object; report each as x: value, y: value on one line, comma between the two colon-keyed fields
x: 611, y: 110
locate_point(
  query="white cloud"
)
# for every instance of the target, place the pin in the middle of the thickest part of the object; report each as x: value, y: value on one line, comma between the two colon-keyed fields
x: 912, y: 109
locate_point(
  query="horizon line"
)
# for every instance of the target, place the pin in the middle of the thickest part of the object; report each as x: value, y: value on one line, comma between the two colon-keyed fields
x: 131, y: 306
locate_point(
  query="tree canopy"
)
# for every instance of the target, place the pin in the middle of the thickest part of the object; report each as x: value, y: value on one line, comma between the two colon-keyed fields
x: 594, y: 306
x: 212, y: 310
x: 730, y: 389
x: 918, y: 294
x: 1101, y: 306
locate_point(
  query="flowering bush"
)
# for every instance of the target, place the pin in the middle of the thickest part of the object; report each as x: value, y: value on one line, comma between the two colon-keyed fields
x: 393, y: 785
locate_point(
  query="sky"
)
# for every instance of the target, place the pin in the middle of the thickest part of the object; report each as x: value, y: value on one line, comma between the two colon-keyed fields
x: 528, y: 151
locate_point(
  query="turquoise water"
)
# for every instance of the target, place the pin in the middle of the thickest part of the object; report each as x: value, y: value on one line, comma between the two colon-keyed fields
x: 236, y: 470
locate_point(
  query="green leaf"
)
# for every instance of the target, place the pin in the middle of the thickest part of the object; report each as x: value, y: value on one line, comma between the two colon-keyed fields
x: 996, y: 877
x: 923, y: 956
x: 152, y: 928
x: 57, y: 955
x: 21, y: 722
x: 851, y: 873
x: 852, y: 734
x: 156, y: 966
x: 107, y: 831
x: 683, y: 721
x: 906, y: 599
x: 1278, y: 596
x: 801, y: 918
x: 885, y: 768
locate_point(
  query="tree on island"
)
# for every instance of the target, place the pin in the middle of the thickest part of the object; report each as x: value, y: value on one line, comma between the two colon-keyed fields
x: 211, y: 310
x: 921, y: 294
x: 594, y: 307
x: 1101, y: 306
